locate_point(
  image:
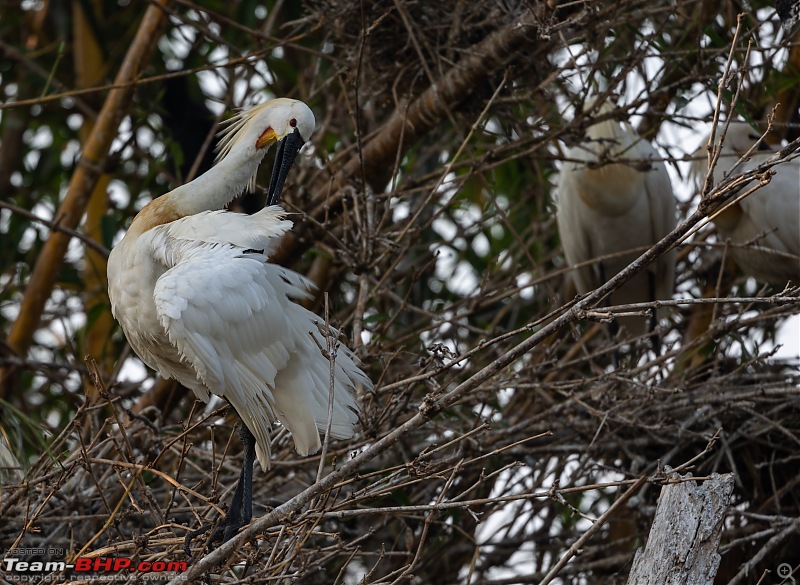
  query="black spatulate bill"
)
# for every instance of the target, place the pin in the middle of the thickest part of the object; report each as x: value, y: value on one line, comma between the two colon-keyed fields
x: 284, y: 158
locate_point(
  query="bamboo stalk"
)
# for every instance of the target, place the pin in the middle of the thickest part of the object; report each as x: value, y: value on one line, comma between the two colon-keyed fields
x: 89, y: 69
x: 84, y: 179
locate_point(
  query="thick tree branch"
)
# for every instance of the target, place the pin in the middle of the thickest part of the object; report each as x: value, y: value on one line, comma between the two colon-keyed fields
x: 425, y: 113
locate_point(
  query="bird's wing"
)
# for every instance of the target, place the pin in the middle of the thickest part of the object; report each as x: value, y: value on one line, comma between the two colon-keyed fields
x: 260, y: 231
x: 573, y: 229
x: 775, y: 209
x: 10, y: 469
x: 663, y: 220
x: 228, y: 321
x: 232, y: 316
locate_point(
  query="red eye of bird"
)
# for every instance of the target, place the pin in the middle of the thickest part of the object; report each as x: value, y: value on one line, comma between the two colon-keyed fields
x: 293, y: 122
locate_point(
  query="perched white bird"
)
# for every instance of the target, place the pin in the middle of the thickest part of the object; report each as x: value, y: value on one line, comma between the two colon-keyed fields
x: 763, y: 228
x: 614, y: 197
x: 191, y: 286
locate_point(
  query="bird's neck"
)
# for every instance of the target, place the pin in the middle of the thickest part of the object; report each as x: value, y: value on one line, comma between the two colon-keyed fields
x: 211, y: 191
x: 218, y: 186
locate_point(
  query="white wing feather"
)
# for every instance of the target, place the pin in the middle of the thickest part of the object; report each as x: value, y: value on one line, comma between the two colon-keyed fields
x: 260, y: 231
x: 574, y: 233
x: 233, y: 318
x: 663, y: 219
x: 776, y: 207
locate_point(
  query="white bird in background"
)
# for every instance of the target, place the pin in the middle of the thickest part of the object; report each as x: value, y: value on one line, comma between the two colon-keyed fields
x: 615, y: 197
x: 10, y: 469
x: 763, y: 228
x: 191, y: 286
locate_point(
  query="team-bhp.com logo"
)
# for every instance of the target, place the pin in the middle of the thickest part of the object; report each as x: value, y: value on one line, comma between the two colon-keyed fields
x: 16, y: 568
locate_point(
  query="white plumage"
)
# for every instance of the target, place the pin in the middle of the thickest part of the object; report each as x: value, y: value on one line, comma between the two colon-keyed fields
x: 764, y: 227
x: 191, y: 286
x: 10, y: 469
x: 615, y: 197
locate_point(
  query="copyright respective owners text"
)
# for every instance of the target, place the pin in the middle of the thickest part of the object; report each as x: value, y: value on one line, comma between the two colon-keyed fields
x: 56, y: 565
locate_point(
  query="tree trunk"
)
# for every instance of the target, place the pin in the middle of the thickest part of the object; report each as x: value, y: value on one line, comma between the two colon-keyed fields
x: 683, y: 542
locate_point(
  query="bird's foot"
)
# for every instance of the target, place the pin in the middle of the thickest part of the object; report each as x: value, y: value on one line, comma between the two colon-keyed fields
x: 187, y: 542
x: 226, y: 530
x: 241, y: 511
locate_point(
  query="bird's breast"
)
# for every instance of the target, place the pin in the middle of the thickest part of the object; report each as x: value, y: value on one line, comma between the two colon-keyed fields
x: 611, y: 189
x: 132, y: 275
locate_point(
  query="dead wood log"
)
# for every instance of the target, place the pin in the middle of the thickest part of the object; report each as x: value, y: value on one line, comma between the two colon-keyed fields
x: 683, y: 542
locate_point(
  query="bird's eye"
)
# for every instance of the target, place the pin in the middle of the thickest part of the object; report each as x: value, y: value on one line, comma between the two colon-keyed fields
x: 293, y: 122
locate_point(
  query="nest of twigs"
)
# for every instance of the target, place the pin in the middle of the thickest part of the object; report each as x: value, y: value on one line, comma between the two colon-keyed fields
x: 556, y: 449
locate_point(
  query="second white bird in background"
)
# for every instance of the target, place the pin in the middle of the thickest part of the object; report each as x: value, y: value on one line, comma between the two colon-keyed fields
x: 763, y: 229
x: 615, y: 198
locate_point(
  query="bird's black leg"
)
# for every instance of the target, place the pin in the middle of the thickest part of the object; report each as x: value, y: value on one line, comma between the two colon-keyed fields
x: 249, y: 462
x: 241, y: 509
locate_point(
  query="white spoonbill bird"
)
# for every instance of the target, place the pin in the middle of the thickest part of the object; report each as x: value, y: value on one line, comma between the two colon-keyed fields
x: 615, y: 198
x: 764, y: 227
x: 191, y: 286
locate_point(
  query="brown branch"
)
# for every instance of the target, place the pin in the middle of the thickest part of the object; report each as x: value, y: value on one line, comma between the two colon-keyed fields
x: 89, y: 66
x: 425, y: 113
x: 89, y: 242
x: 14, y: 54
x: 49, y: 263
x: 578, y: 544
